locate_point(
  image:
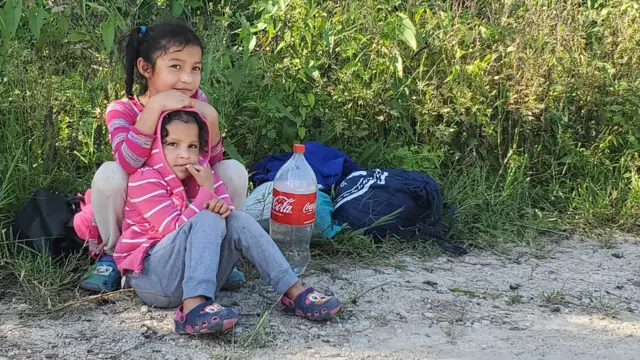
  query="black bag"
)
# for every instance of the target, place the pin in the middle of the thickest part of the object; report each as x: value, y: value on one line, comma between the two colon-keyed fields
x: 44, y: 224
x: 405, y: 203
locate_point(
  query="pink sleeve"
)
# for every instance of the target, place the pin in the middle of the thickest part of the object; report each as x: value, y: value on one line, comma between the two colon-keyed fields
x: 154, y: 203
x: 221, y: 192
x: 130, y: 147
x: 200, y: 95
x: 217, y: 151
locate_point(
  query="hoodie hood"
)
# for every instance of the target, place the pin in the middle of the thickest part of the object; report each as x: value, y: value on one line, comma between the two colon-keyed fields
x: 158, y: 161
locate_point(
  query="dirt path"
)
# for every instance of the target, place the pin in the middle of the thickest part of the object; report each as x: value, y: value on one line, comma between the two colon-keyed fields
x: 579, y: 302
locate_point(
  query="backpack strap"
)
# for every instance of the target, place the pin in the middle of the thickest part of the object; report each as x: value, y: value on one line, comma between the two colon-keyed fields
x: 449, y: 223
x: 445, y: 234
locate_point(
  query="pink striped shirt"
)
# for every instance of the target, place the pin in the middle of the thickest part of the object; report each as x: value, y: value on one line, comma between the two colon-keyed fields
x: 159, y: 203
x: 130, y: 146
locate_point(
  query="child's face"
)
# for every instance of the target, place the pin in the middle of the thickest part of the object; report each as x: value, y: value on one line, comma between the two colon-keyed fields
x: 181, y: 147
x: 176, y: 69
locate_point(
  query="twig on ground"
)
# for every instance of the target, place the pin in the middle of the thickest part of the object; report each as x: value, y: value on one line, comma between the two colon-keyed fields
x: 481, y: 294
x: 354, y: 300
x: 70, y: 303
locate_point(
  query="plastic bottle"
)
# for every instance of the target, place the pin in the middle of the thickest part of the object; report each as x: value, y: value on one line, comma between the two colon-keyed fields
x: 293, y: 210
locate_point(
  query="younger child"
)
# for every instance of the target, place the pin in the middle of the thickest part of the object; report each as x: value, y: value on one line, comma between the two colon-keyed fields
x: 182, y: 236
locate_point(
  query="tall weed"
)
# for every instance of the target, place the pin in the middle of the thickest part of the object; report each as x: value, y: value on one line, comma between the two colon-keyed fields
x: 526, y: 111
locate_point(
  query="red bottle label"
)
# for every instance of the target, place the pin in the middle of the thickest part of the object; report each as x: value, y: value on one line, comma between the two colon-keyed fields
x: 293, y: 209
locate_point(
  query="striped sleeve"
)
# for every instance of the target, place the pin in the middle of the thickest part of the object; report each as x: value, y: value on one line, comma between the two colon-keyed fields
x: 200, y: 95
x: 149, y: 194
x: 130, y: 146
x: 221, y: 191
x: 217, y: 152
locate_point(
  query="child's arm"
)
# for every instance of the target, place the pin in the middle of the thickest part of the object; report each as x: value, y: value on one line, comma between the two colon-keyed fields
x: 221, y: 191
x: 147, y: 191
x: 131, y: 135
x: 130, y: 146
x: 222, y: 204
x: 209, y: 112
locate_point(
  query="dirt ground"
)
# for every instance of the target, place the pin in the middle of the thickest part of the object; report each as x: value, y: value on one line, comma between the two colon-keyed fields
x: 574, y: 300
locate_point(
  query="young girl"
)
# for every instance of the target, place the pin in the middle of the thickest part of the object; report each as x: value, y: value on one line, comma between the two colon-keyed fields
x: 166, y: 60
x: 182, y: 235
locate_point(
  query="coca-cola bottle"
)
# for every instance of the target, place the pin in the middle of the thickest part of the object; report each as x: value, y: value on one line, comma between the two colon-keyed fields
x: 293, y: 211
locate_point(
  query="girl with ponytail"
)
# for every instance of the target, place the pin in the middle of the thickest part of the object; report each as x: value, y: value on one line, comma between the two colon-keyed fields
x: 165, y: 62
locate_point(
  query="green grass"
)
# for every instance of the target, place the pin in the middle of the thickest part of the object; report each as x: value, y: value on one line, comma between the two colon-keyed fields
x: 37, y: 278
x: 527, y: 112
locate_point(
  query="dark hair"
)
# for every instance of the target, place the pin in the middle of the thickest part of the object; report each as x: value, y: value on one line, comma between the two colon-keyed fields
x: 187, y: 117
x: 149, y: 43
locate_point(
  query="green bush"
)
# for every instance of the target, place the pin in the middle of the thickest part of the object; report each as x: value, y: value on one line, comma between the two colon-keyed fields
x: 527, y: 111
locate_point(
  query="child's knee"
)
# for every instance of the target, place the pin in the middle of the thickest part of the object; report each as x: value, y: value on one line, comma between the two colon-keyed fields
x: 210, y: 219
x: 234, y: 175
x: 239, y: 218
x: 208, y: 216
x: 110, y: 179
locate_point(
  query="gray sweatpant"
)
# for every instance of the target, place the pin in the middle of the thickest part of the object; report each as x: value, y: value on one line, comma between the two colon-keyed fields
x: 109, y: 192
x: 196, y: 259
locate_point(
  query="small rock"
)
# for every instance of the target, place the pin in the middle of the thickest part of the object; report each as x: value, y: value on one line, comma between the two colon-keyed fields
x: 144, y: 309
x: 430, y: 283
x: 514, y: 286
x: 444, y: 324
x: 617, y: 255
x: 485, y: 322
x: 619, y: 287
x: 314, y: 331
x: 427, y: 315
x: 476, y: 325
x: 556, y: 309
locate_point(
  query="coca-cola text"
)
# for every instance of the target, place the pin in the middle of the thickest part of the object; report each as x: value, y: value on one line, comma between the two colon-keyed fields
x: 288, y: 208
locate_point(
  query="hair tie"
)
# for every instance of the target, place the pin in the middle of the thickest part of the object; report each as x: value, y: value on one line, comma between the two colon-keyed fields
x: 143, y: 29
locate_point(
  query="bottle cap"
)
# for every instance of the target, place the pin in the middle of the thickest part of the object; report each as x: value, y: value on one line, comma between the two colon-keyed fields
x: 298, y: 148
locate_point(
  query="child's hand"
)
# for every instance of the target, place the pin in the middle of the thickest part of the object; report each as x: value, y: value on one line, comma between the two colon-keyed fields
x: 203, y: 175
x: 211, y: 116
x: 170, y: 100
x: 208, y: 111
x: 219, y: 207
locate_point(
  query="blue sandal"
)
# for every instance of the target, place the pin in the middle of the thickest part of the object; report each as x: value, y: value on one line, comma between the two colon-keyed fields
x: 234, y: 281
x: 208, y: 317
x: 105, y: 276
x: 311, y: 304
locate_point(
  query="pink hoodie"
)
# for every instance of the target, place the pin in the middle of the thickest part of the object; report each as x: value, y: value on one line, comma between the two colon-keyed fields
x: 158, y: 203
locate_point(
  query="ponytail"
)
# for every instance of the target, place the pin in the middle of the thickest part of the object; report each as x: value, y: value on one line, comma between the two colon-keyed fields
x: 130, y: 46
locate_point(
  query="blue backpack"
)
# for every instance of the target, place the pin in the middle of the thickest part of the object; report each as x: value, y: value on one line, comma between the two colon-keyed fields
x: 384, y: 202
